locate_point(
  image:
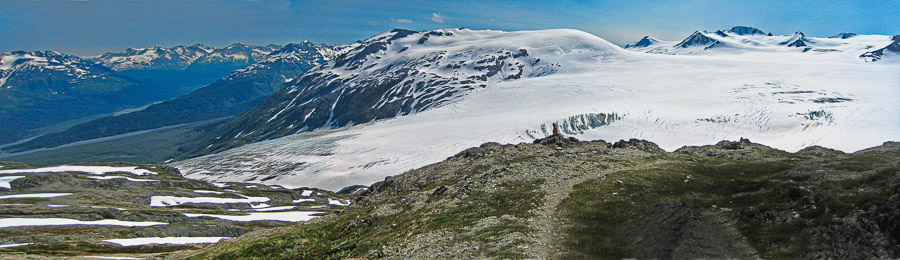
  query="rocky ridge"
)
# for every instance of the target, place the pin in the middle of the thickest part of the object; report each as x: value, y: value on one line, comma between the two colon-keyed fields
x: 564, y: 198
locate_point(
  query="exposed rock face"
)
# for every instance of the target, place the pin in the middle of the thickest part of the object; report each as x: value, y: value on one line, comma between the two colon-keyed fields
x: 876, y: 55
x: 746, y: 30
x: 637, y: 143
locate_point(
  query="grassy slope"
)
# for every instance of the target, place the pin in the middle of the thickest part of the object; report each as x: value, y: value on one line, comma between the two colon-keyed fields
x: 410, y: 208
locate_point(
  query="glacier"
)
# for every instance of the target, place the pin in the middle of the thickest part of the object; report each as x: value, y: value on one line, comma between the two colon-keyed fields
x: 785, y: 99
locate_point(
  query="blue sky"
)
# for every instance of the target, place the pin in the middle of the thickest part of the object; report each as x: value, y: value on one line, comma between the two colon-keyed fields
x: 95, y: 26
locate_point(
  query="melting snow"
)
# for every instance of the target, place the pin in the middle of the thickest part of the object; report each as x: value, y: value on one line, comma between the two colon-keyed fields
x: 291, y: 216
x: 98, y: 170
x: 279, y: 208
x: 33, y: 195
x: 164, y: 240
x: 209, y: 192
x: 28, y: 222
x: 119, y: 177
x: 14, y: 245
x: 5, y: 180
x: 302, y: 200
x: 338, y: 202
x: 162, y: 201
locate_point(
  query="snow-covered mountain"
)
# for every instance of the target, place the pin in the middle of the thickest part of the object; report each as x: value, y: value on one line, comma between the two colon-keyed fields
x: 19, y: 69
x: 42, y: 88
x: 395, y: 73
x: 181, y: 57
x: 439, y: 92
x: 233, y: 94
x: 740, y: 40
x: 643, y: 42
x: 300, y: 57
x: 890, y: 52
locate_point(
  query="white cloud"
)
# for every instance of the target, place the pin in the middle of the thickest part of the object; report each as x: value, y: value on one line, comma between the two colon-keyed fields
x: 438, y: 17
x: 372, y: 23
x: 401, y: 20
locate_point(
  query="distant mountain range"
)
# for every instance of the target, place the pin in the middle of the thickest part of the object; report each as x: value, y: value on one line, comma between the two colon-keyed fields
x: 42, y: 88
x: 181, y: 69
x: 50, y: 90
x: 184, y: 57
x: 744, y: 39
x: 233, y: 94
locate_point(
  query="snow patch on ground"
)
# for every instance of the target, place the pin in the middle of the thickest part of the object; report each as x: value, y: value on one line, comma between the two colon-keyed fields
x: 98, y: 170
x: 291, y: 216
x: 208, y: 192
x: 14, y: 245
x: 164, y: 240
x: 339, y: 202
x: 163, y: 201
x: 34, y: 195
x: 5, y: 180
x: 30, y: 222
x: 119, y: 177
x: 279, y: 208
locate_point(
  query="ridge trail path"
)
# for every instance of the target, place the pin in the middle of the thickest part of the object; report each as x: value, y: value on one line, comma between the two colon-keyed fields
x: 549, y: 231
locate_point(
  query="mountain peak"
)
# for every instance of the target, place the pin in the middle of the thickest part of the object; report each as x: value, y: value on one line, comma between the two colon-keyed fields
x: 696, y: 39
x: 798, y: 40
x: 843, y: 35
x: 746, y: 30
x: 643, y: 42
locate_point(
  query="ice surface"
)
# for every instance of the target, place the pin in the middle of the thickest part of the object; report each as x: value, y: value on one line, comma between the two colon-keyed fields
x: 782, y: 98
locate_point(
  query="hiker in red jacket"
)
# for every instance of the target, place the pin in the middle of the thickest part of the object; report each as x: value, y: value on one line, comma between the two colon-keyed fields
x: 555, y: 129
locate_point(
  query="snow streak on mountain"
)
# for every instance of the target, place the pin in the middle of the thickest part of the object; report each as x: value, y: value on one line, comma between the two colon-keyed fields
x: 439, y: 92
